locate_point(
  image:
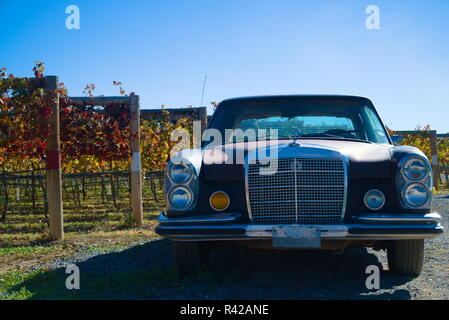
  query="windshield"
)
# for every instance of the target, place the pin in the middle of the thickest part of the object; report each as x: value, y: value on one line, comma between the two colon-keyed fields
x: 299, y: 118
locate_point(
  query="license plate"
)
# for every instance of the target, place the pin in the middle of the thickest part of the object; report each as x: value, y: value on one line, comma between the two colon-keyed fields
x: 295, y: 236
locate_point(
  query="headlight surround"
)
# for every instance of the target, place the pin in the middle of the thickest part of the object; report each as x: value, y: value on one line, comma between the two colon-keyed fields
x: 415, y: 194
x: 415, y: 168
x: 181, y: 185
x: 180, y: 197
x: 414, y: 182
x: 180, y: 172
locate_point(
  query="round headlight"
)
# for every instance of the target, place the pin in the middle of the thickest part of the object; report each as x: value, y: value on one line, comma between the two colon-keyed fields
x: 180, y: 197
x: 374, y: 199
x: 415, y: 194
x: 180, y: 172
x: 415, y: 168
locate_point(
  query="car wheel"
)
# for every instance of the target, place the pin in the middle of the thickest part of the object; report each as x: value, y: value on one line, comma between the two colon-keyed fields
x: 406, y: 257
x: 189, y: 256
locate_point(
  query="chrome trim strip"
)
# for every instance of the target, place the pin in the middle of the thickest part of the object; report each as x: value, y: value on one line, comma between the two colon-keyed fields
x: 404, y: 218
x: 309, y: 171
x: 302, y: 186
x: 248, y: 206
x: 346, y: 184
x: 234, y: 216
x: 210, y: 218
x: 296, y: 199
x: 303, y: 215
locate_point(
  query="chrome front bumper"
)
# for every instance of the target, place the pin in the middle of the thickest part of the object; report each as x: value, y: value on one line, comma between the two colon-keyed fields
x: 363, y: 227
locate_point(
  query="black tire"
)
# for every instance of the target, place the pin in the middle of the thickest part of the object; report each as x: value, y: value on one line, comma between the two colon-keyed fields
x: 406, y: 257
x: 189, y: 256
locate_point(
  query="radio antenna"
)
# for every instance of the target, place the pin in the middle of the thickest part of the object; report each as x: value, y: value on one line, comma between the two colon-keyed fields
x: 204, y: 86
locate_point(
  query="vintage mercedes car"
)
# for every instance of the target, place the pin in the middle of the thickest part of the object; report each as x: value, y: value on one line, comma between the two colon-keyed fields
x: 299, y: 172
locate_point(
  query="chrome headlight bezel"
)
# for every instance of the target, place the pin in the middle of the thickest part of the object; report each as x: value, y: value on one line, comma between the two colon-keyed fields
x: 404, y: 180
x: 405, y: 166
x: 188, y: 192
x: 409, y: 185
x: 177, y: 179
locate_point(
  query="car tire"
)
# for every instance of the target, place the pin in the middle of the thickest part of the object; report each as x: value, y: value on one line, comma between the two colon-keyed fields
x: 406, y: 257
x: 189, y: 256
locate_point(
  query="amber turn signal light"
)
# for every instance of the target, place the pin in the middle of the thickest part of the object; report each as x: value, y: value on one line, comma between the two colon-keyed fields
x: 219, y: 201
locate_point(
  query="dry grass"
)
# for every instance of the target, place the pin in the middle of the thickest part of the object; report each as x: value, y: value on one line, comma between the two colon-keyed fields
x: 23, y: 235
x: 33, y: 252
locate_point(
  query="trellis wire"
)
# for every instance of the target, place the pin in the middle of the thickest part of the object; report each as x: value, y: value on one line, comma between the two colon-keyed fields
x: 28, y: 187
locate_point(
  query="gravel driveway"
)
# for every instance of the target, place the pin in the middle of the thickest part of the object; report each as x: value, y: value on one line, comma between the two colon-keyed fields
x: 145, y: 271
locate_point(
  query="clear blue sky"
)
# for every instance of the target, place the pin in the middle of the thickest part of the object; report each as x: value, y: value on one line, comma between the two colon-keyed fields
x: 162, y: 50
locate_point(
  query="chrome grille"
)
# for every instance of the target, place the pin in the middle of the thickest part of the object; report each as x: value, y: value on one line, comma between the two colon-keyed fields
x: 300, y: 190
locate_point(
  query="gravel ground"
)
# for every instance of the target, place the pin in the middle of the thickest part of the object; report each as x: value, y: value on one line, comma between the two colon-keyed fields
x: 256, y: 274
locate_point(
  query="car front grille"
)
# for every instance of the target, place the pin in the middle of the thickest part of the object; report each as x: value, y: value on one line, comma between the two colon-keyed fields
x: 299, y: 190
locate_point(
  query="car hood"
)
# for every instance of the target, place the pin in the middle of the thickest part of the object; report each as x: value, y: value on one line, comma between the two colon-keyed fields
x: 366, y: 160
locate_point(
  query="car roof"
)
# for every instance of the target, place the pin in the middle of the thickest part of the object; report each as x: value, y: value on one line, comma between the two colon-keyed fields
x: 299, y: 96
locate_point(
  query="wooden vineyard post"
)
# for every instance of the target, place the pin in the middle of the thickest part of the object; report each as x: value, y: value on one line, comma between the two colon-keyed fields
x: 136, y: 171
x: 435, y: 166
x: 54, y: 187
